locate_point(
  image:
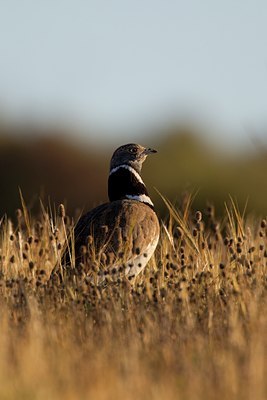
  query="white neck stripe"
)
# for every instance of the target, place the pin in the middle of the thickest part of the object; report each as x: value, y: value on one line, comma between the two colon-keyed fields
x: 129, y: 168
x: 141, y: 197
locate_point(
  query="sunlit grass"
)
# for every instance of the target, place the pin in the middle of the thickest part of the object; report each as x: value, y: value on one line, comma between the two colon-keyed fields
x: 193, y: 326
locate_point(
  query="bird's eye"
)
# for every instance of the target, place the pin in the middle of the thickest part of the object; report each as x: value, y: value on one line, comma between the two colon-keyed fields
x: 133, y: 150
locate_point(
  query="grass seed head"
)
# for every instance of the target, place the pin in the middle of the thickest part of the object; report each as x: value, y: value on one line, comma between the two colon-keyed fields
x: 61, y: 211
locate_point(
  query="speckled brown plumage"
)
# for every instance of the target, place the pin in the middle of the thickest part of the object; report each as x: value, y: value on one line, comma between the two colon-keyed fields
x: 120, y: 225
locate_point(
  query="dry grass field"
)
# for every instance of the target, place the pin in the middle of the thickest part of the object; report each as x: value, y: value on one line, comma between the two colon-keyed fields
x: 194, y: 326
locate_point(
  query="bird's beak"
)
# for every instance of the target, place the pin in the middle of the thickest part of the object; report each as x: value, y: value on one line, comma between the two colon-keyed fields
x: 149, y: 151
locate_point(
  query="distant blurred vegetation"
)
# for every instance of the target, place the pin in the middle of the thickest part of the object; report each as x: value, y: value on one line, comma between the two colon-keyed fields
x: 47, y: 165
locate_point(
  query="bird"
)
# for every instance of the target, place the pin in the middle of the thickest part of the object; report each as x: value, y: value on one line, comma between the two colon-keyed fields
x: 120, y: 236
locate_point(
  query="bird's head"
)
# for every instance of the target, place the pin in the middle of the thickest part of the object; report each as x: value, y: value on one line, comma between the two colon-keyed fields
x: 130, y: 154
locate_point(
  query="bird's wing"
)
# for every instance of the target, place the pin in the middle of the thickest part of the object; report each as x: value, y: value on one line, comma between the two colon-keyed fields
x: 118, y: 229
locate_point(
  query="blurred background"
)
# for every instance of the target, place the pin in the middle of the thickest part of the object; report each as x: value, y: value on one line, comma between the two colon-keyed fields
x: 79, y: 78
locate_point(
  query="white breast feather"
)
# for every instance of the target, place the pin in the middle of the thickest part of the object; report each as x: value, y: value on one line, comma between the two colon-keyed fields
x: 138, y: 263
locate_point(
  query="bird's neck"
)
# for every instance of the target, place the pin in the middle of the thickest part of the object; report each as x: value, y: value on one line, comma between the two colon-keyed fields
x: 125, y: 182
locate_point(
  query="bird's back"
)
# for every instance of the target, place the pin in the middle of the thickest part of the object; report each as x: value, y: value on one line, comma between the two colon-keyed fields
x: 118, y: 233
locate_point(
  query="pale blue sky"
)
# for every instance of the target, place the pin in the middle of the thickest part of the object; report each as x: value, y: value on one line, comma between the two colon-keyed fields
x: 111, y: 64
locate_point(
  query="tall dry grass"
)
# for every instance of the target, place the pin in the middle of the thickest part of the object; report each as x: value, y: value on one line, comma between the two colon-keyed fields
x: 192, y: 327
